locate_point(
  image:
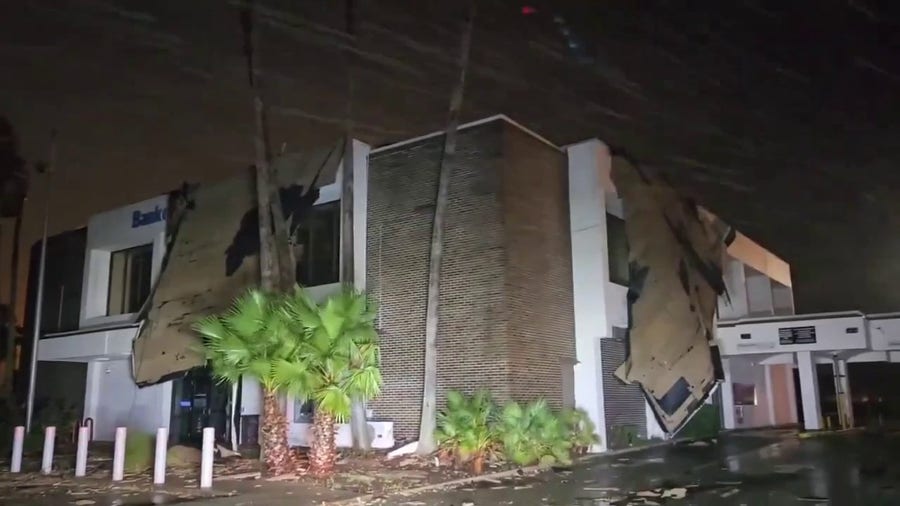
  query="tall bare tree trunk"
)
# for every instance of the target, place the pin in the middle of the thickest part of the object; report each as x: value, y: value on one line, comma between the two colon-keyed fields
x: 274, y: 449
x: 429, y: 394
x: 268, y: 265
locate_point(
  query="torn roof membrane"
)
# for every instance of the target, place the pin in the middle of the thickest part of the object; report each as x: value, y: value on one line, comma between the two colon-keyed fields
x: 675, y: 257
x: 211, y: 258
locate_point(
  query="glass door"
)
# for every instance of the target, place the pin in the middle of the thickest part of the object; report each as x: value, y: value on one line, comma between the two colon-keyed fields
x: 198, y: 401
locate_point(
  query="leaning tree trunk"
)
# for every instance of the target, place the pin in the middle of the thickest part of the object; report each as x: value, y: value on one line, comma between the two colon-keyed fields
x: 267, y: 259
x: 428, y: 421
x: 323, y: 454
x: 278, y: 457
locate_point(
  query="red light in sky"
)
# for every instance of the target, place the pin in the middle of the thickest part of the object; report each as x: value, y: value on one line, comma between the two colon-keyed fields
x: 527, y: 10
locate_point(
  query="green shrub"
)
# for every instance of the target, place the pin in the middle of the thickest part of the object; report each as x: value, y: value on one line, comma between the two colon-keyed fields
x: 465, y: 428
x: 54, y: 412
x: 625, y: 436
x: 706, y: 423
x: 471, y: 430
x: 582, y: 432
x: 534, y: 434
x: 139, y: 450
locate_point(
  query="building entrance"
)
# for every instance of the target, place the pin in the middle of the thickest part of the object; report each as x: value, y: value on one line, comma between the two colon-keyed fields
x: 199, y: 401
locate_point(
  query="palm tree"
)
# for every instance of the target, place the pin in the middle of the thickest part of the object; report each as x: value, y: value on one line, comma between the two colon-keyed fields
x: 336, y: 362
x: 252, y: 339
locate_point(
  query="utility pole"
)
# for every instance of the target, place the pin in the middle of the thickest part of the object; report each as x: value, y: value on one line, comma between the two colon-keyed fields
x: 39, y: 303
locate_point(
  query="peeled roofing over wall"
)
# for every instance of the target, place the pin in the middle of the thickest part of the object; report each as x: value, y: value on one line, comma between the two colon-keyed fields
x: 675, y: 264
x: 213, y: 257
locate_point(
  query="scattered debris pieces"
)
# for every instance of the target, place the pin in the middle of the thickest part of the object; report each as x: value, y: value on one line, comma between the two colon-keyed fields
x: 729, y: 493
x: 674, y: 493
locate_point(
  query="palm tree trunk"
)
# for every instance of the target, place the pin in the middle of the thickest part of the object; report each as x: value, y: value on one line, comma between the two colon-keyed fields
x: 323, y: 454
x: 278, y: 457
x: 428, y: 421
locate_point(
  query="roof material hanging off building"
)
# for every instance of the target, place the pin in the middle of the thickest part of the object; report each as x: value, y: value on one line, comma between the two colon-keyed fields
x: 213, y: 256
x: 675, y: 264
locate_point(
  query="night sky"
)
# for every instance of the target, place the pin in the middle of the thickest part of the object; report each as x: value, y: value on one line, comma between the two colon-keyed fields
x: 783, y: 116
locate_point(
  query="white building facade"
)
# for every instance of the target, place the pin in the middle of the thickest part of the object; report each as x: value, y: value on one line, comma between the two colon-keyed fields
x: 123, y: 257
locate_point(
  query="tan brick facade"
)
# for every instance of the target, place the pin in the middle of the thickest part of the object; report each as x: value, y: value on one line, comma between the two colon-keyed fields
x: 506, y: 319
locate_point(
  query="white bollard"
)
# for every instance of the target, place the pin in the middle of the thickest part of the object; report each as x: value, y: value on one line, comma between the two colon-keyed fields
x: 159, y: 461
x: 49, y: 443
x: 84, y: 436
x: 15, y: 465
x: 119, y: 454
x: 206, y: 457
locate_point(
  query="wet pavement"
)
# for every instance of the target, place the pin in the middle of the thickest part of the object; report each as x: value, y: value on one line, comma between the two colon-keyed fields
x: 844, y: 471
x: 746, y: 470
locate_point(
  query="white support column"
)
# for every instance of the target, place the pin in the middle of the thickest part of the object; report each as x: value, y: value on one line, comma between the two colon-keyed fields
x: 727, y: 390
x: 770, y: 399
x: 809, y: 390
x: 842, y: 382
x: 589, y: 165
x: 360, y: 207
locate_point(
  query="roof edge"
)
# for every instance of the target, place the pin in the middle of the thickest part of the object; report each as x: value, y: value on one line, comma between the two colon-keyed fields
x: 471, y: 124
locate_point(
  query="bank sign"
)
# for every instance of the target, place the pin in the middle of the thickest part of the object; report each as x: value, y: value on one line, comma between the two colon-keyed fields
x: 141, y: 218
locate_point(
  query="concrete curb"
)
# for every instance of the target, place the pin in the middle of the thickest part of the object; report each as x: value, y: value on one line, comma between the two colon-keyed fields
x: 826, y: 433
x: 500, y: 475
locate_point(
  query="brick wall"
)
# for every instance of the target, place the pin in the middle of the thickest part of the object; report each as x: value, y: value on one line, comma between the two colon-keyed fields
x: 493, y: 317
x: 541, y: 330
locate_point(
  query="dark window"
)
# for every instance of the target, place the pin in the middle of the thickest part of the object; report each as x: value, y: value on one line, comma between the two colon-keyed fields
x: 129, y: 279
x: 318, y: 246
x: 617, y: 245
x: 63, y: 277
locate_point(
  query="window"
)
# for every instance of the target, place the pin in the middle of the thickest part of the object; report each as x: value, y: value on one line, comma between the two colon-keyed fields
x: 318, y: 245
x: 129, y: 279
x: 744, y: 394
x: 617, y: 245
